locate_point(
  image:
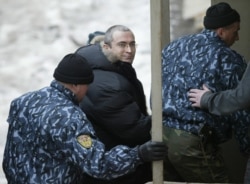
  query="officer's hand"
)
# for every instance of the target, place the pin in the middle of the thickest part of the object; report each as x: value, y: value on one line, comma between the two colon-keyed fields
x: 152, y: 151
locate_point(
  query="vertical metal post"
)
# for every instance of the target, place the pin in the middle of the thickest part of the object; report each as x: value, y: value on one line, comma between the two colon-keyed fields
x: 160, y: 35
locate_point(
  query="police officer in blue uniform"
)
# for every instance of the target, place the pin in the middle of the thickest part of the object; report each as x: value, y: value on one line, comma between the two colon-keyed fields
x: 50, y: 140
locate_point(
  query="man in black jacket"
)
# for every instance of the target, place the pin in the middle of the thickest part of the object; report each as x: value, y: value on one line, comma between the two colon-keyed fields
x: 115, y: 101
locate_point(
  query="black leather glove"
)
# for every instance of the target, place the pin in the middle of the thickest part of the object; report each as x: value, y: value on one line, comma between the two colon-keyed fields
x: 152, y: 151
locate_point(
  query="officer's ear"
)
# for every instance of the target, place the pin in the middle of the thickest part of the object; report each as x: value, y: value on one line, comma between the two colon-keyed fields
x: 220, y: 32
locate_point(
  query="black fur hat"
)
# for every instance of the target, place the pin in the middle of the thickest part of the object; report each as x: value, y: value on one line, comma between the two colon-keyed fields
x: 93, y: 35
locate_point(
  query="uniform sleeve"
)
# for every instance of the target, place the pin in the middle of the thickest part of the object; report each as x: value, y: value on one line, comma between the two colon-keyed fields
x: 228, y: 101
x: 108, y: 165
x: 77, y: 144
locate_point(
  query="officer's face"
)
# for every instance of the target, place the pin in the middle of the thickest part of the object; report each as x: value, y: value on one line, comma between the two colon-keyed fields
x: 230, y: 33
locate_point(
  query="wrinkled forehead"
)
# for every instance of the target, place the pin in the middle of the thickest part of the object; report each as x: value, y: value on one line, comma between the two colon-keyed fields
x: 123, y: 36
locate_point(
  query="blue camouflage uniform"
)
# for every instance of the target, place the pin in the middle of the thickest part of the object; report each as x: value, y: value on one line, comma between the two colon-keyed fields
x: 51, y: 141
x: 189, y: 62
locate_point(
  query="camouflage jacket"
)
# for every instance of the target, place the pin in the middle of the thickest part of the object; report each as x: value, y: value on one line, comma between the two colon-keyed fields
x: 51, y: 141
x: 190, y: 62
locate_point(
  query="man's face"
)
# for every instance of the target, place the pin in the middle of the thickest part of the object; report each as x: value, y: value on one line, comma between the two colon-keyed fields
x: 123, y: 46
x: 230, y: 33
x: 80, y: 91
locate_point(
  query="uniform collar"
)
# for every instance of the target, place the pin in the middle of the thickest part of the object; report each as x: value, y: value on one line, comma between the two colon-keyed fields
x: 68, y: 93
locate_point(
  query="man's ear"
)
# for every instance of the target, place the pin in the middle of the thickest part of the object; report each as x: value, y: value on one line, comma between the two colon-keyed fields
x: 74, y: 88
x: 220, y: 32
x: 105, y: 46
